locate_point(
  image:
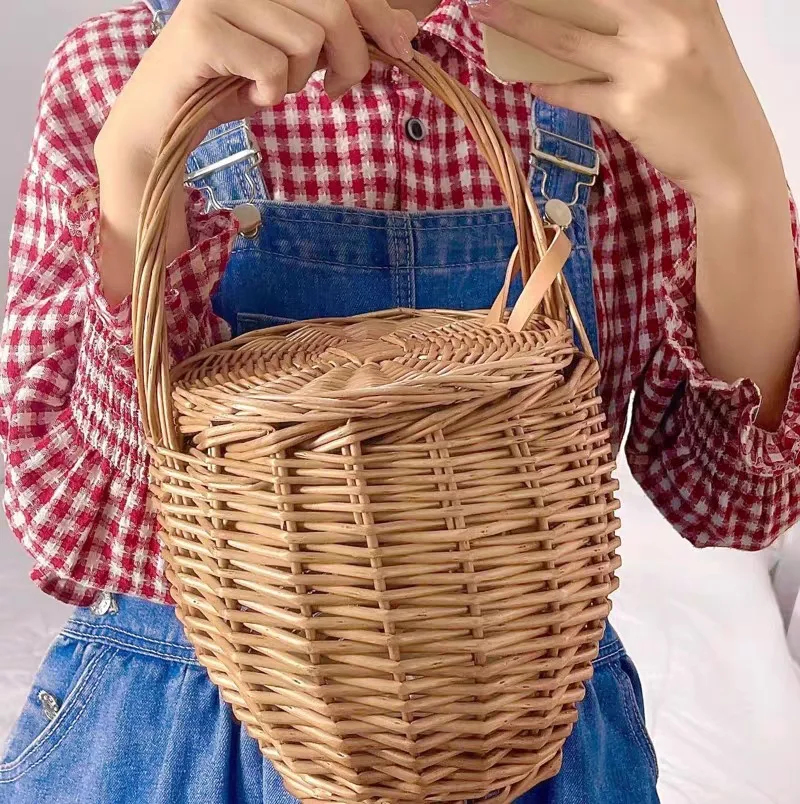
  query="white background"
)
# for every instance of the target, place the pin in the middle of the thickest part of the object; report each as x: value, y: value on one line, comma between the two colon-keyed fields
x: 766, y: 33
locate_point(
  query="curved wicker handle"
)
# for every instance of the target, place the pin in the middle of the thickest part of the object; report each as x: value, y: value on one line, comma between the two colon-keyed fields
x: 151, y: 353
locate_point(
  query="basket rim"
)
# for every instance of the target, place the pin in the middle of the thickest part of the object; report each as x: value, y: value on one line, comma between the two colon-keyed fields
x: 545, y: 348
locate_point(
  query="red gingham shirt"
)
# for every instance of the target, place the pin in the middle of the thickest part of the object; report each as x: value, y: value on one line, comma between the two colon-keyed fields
x: 76, y: 467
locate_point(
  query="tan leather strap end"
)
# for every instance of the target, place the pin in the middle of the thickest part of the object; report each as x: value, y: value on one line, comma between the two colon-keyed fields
x: 535, y: 288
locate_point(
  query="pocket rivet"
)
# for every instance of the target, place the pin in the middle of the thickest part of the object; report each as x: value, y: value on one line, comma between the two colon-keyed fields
x: 558, y: 213
x: 249, y: 218
x: 104, y: 604
x: 49, y: 703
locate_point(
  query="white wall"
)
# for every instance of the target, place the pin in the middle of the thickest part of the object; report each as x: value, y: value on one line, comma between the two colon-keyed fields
x: 766, y: 33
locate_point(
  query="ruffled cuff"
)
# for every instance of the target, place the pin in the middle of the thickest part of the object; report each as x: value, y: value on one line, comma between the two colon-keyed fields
x: 716, y: 412
x: 88, y: 525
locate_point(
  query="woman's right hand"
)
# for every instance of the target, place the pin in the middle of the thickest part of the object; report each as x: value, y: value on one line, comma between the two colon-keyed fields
x: 276, y: 44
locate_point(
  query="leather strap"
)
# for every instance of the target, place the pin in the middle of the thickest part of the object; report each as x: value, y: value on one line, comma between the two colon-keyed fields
x: 547, y: 271
x: 535, y: 289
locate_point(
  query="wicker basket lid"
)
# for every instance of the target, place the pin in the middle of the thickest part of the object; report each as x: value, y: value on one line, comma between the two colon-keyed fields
x: 371, y: 365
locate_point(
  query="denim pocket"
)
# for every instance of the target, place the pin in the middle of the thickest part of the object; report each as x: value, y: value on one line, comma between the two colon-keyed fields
x: 66, y: 683
x: 250, y: 322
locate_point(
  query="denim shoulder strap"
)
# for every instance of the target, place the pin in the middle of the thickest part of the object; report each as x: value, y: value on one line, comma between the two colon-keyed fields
x: 226, y: 165
x: 162, y: 9
x: 564, y: 167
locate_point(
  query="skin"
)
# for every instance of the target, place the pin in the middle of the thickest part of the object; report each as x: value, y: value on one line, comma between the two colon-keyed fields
x: 676, y: 90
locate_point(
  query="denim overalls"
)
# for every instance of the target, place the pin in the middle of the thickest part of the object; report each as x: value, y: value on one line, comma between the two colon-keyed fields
x: 121, y: 712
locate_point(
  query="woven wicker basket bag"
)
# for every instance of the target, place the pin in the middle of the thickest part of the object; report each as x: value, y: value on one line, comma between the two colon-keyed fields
x: 390, y: 538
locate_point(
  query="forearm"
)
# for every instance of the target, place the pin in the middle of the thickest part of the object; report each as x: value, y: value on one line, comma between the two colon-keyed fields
x: 122, y: 186
x: 748, y: 304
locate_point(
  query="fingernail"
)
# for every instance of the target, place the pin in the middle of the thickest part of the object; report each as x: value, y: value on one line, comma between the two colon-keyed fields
x: 402, y: 46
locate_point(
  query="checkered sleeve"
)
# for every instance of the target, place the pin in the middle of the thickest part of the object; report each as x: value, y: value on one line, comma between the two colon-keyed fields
x: 694, y: 445
x: 75, y: 462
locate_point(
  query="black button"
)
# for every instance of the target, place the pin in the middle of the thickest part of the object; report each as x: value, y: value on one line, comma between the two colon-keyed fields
x: 415, y: 129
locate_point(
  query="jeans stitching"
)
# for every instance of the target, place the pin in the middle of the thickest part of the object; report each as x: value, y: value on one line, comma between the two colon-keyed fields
x: 624, y: 683
x: 410, y: 259
x: 186, y: 654
x: 337, y: 215
x: 77, y: 715
x: 44, y: 735
x: 98, y: 629
x: 606, y: 658
x: 634, y: 717
x: 142, y: 650
x: 258, y: 318
x: 310, y: 261
x: 305, y: 219
x: 465, y: 224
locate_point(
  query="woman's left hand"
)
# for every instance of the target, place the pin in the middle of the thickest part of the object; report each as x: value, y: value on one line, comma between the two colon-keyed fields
x: 676, y: 90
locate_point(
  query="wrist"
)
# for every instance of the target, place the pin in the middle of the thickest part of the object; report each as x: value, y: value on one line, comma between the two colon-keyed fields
x: 738, y: 178
x: 123, y: 174
x: 742, y: 190
x: 119, y: 156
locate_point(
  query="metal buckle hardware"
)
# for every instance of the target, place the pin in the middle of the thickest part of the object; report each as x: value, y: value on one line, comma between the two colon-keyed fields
x: 251, y: 153
x: 591, y: 172
x: 159, y: 21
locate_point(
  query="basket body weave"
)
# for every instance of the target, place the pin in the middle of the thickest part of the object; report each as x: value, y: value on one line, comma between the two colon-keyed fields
x: 391, y: 539
x: 398, y: 548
